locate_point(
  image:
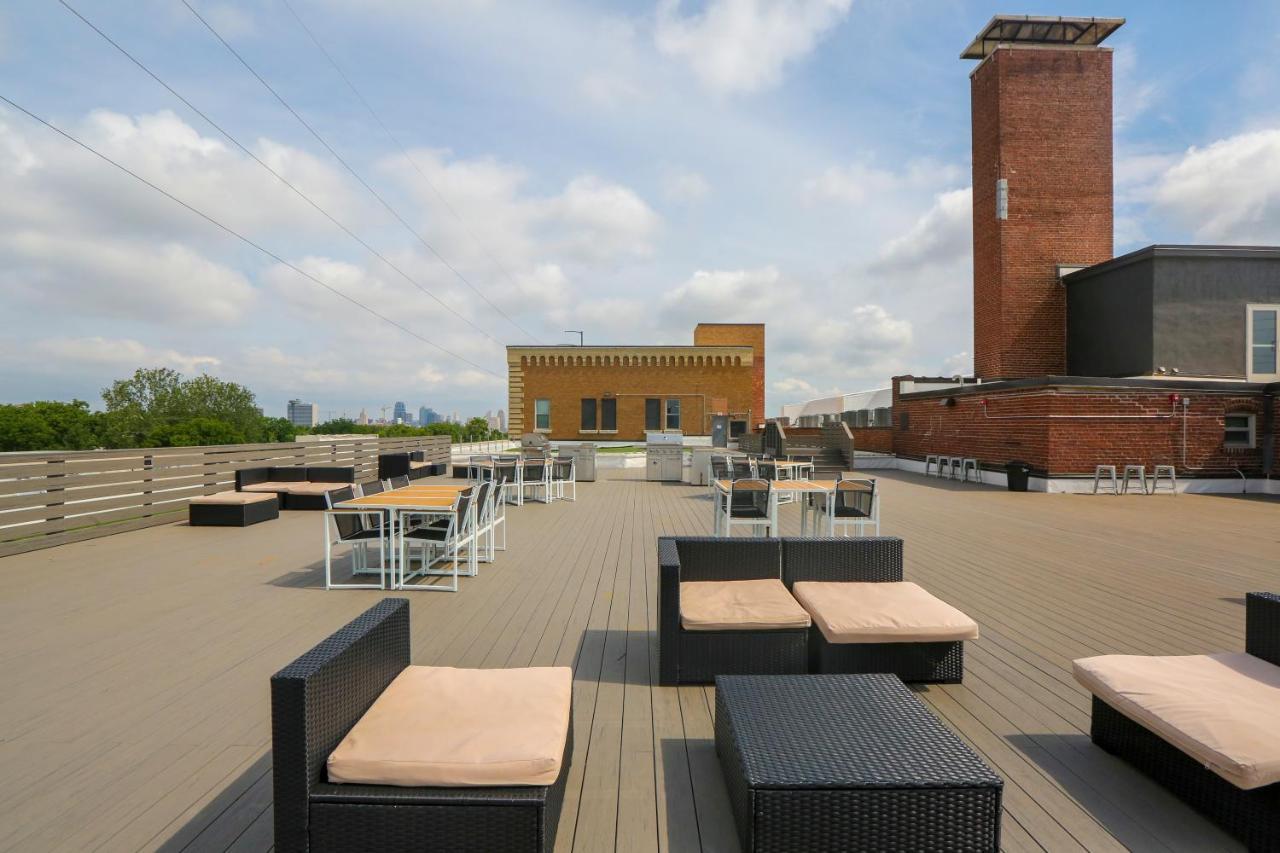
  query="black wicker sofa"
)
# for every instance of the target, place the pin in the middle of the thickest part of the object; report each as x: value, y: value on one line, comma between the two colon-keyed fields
x: 320, y: 697
x: 298, y: 487
x: 698, y: 656
x: 1218, y: 749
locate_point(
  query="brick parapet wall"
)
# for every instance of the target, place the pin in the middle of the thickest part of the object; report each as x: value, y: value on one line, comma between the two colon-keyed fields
x: 740, y: 334
x: 1064, y: 431
x: 873, y: 439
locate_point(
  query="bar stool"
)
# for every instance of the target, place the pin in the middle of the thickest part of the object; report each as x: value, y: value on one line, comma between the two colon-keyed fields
x: 1170, y: 473
x: 1108, y: 470
x: 936, y: 461
x: 954, y: 467
x: 967, y: 463
x: 1139, y: 472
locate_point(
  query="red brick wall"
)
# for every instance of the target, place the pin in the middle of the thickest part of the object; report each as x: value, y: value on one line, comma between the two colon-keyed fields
x: 739, y: 334
x: 873, y: 439
x: 1014, y: 425
x: 1041, y: 119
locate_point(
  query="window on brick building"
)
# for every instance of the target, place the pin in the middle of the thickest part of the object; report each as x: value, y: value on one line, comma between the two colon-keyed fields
x: 673, y: 414
x: 1238, y: 430
x: 542, y: 414
x: 609, y: 414
x: 1263, y: 356
x: 653, y: 414
x: 588, y: 415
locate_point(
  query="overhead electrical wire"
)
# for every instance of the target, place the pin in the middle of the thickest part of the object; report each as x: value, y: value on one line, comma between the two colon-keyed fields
x: 229, y: 230
x: 236, y: 142
x: 310, y: 129
x: 409, y: 159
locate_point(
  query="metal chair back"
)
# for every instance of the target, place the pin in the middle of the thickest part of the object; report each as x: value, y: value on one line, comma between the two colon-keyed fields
x: 767, y: 469
x: 749, y: 498
x: 372, y: 487
x: 348, y: 524
x: 854, y: 498
x: 400, y: 482
x: 720, y: 469
x: 742, y: 468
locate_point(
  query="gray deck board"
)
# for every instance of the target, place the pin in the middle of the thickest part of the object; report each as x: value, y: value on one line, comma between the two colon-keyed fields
x: 136, y: 715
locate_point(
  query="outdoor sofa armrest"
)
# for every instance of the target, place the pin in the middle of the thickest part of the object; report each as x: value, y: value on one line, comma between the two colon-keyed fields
x: 1262, y: 626
x: 331, y: 474
x: 288, y: 474
x: 668, y: 611
x: 859, y: 559
x: 249, y: 476
x: 319, y: 697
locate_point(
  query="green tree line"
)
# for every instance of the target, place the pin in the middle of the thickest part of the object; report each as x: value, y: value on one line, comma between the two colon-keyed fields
x: 158, y: 407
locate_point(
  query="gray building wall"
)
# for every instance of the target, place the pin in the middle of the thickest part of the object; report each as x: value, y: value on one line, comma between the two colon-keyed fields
x: 1177, y: 307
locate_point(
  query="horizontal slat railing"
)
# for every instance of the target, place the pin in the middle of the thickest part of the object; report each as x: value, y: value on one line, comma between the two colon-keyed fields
x: 49, y: 498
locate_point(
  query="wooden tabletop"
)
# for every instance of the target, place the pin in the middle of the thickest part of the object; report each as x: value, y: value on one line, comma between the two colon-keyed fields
x: 790, y: 485
x: 392, y: 500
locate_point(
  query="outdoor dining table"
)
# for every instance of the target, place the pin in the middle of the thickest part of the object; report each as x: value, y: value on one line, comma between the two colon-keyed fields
x: 799, y: 488
x: 419, y: 500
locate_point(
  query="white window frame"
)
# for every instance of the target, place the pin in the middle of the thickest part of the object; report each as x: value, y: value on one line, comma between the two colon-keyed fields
x: 536, y: 414
x: 1253, y: 431
x: 666, y: 413
x: 1248, y: 349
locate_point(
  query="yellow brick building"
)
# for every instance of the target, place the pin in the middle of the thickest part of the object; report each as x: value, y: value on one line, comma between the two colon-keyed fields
x: 617, y: 393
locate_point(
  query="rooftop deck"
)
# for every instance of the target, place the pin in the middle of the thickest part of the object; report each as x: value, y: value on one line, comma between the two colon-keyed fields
x: 135, y: 710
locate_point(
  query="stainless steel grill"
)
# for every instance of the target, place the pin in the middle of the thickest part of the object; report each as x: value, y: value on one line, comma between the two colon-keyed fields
x: 664, y: 456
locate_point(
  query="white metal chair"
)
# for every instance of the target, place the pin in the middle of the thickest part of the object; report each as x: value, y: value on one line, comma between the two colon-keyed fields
x: 477, y: 467
x: 535, y: 475
x: 508, y: 471
x: 1108, y: 471
x: 346, y: 527
x: 934, y: 460
x: 749, y: 505
x: 456, y: 535
x: 968, y: 464
x: 564, y: 473
x: 855, y: 505
x: 486, y: 504
x: 742, y: 468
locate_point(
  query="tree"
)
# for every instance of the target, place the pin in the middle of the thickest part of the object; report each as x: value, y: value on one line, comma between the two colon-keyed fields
x: 476, y: 429
x: 274, y: 429
x: 48, y: 425
x: 135, y: 406
x: 138, y: 407
x: 194, y: 432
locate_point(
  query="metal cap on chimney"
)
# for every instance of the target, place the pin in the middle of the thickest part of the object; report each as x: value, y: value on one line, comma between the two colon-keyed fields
x: 1040, y: 30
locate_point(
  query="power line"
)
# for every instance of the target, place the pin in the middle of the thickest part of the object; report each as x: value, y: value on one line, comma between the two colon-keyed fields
x: 408, y: 158
x: 229, y: 230
x: 396, y: 214
x: 236, y: 142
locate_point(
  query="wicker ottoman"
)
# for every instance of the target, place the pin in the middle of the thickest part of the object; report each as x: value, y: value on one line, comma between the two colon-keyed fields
x: 848, y: 762
x: 233, y: 509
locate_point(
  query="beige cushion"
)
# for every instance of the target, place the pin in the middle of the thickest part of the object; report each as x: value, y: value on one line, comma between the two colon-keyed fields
x: 268, y: 487
x: 234, y: 498
x: 739, y: 606
x: 1222, y: 710
x: 420, y: 464
x: 882, y: 613
x: 315, y: 488
x: 440, y: 726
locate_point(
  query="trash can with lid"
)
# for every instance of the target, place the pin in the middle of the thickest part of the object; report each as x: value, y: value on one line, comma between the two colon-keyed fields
x: 1017, y: 472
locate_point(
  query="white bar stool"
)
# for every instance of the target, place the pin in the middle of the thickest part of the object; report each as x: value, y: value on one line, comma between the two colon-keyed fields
x: 1139, y: 475
x: 970, y: 463
x: 1109, y: 471
x: 1170, y: 473
x: 936, y: 461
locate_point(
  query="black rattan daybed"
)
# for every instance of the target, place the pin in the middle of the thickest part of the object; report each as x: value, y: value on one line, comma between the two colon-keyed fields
x: 315, y: 702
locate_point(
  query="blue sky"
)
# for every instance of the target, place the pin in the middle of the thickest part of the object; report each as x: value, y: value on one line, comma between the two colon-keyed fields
x: 629, y: 169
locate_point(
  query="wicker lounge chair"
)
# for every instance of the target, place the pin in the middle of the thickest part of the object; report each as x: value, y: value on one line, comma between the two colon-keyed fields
x: 1216, y: 746
x: 320, y: 697
x: 697, y: 656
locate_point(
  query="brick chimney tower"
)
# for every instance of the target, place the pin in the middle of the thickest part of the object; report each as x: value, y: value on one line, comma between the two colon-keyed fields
x: 1042, y: 182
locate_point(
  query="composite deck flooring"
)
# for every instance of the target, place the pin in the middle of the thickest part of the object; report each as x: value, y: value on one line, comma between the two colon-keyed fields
x: 135, y: 714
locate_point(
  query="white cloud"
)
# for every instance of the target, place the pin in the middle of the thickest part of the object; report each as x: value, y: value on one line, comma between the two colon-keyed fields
x: 959, y: 364
x: 603, y: 220
x: 685, y: 187
x: 1228, y: 191
x: 942, y: 236
x: 742, y: 46
x: 1134, y: 96
x: 860, y: 182
x: 231, y: 21
x: 119, y: 354
x: 165, y: 283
